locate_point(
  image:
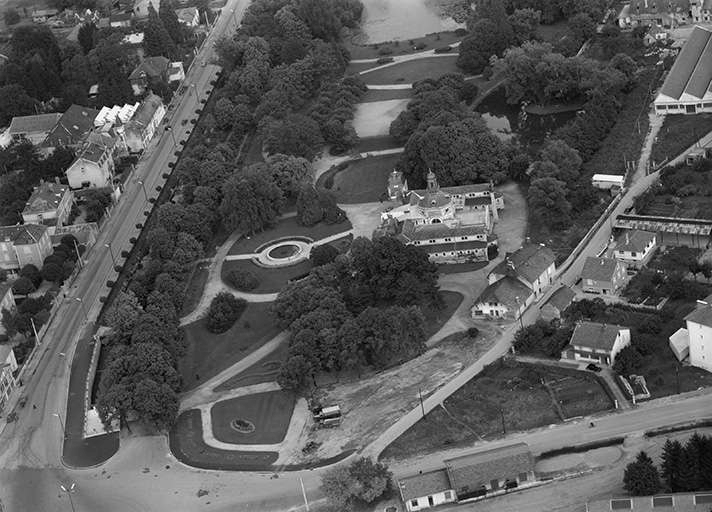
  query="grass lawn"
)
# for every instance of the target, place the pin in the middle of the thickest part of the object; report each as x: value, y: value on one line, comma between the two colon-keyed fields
x: 271, y: 280
x: 510, y: 391
x: 194, y: 289
x: 384, y: 49
x: 208, y: 354
x: 436, y: 318
x: 360, y: 181
x: 413, y: 71
x: 264, y: 370
x: 554, y: 32
x: 386, y: 94
x: 367, y: 144
x: 286, y: 228
x: 457, y: 268
x: 678, y: 133
x: 269, y: 412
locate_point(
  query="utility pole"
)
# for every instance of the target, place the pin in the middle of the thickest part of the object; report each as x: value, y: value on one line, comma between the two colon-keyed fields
x: 111, y: 252
x: 504, y: 429
x: 70, y: 490
x: 422, y: 407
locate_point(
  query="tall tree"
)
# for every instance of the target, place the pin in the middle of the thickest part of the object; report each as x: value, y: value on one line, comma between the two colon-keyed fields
x: 547, y: 199
x: 250, y: 202
x: 14, y: 101
x: 309, y: 211
x: 156, y: 39
x: 670, y: 467
x: 641, y: 477
x: 87, y: 37
x: 168, y: 16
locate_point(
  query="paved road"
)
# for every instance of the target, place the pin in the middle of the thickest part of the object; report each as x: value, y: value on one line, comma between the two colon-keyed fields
x: 34, y: 440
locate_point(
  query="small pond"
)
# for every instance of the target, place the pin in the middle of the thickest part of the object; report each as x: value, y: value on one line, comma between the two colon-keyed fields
x: 508, y: 121
x: 397, y: 20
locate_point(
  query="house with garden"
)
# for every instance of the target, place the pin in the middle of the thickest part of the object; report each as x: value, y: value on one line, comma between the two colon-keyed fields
x: 470, y: 477
x: 695, y: 339
x: 506, y: 298
x: 557, y: 303
x: 93, y: 168
x: 602, y: 275
x: 50, y: 203
x: 188, y: 16
x: 534, y: 265
x: 23, y: 244
x: 596, y: 342
x: 152, y: 70
x: 635, y: 248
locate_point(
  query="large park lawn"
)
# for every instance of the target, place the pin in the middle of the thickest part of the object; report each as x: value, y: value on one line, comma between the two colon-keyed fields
x: 269, y: 412
x: 208, y: 354
x: 359, y: 181
x: 271, y: 280
x: 436, y: 318
x: 413, y: 70
x: 287, y: 228
x: 504, y: 397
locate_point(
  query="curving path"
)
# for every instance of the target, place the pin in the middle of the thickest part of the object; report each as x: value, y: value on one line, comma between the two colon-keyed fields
x: 411, y: 56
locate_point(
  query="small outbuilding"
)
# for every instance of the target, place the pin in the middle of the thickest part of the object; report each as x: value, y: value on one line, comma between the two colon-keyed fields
x: 680, y: 343
x: 426, y: 490
x: 557, y: 303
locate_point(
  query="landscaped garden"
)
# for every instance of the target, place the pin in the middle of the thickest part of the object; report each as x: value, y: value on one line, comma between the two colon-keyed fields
x: 269, y: 279
x: 208, y: 353
x: 678, y: 133
x: 413, y: 70
x: 262, y: 418
x: 359, y: 181
x: 506, y: 396
x: 384, y: 49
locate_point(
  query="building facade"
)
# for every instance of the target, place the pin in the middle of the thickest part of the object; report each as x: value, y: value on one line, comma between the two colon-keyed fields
x: 93, y: 168
x: 505, y: 298
x: 8, y: 367
x: 426, y: 490
x: 596, y: 342
x: 23, y: 244
x: 50, y: 203
x: 533, y: 264
x: 33, y: 128
x: 141, y: 128
x: 635, y: 248
x: 7, y: 301
x: 602, y: 275
x: 699, y: 328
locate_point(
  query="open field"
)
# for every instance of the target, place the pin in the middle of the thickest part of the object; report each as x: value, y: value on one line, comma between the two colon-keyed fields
x: 360, y: 181
x: 271, y: 280
x: 413, y: 71
x: 268, y: 412
x: 678, y: 133
x: 374, y: 119
x: 504, y: 397
x: 208, y: 353
x: 287, y: 228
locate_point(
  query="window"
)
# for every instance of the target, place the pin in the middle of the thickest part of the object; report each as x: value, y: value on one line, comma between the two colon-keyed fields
x: 413, y: 503
x: 448, y: 495
x: 523, y: 477
x: 633, y: 254
x: 662, y: 501
x: 703, y: 498
x: 622, y: 504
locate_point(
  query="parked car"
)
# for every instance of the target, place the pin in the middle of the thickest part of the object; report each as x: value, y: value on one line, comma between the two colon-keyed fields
x: 593, y: 367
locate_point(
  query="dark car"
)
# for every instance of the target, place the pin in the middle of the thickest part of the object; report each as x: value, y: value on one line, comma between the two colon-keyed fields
x: 594, y: 368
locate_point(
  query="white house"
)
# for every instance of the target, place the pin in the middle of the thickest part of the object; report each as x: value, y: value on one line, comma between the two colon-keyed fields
x: 505, y: 298
x: 22, y: 244
x: 142, y: 126
x: 93, y: 168
x: 7, y: 300
x: 699, y: 328
x: 635, y: 248
x: 595, y: 342
x: 686, y: 89
x: 426, y: 490
x: 50, y: 202
x: 188, y: 16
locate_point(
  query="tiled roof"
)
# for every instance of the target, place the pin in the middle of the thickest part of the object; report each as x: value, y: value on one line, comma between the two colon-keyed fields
x: 692, y: 71
x: 92, y: 152
x: 460, y: 189
x: 599, y: 269
x: 477, y: 469
x: 33, y: 124
x: 474, y: 201
x: 634, y: 241
x: 508, y: 291
x: 701, y: 315
x: 595, y: 335
x: 146, y: 110
x: 22, y: 234
x: 529, y: 262
x: 434, y: 231
x: 153, y: 67
x: 561, y: 298
x: 424, y: 484
x: 659, y: 6
x: 45, y: 197
x: 73, y: 127
x: 187, y: 14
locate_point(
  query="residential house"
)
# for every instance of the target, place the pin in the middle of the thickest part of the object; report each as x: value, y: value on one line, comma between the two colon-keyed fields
x: 188, y: 16
x: 33, y: 128
x: 449, y: 245
x: 121, y: 20
x: 109, y: 138
x: 140, y: 129
x: 7, y: 301
x: 176, y: 73
x: 655, y: 34
x: 140, y: 7
x: 93, y: 168
x: 596, y: 342
x: 608, y: 181
x: 602, y: 275
x: 676, y: 502
x: 8, y: 367
x: 43, y: 15
x: 668, y: 13
x: 50, y: 203
x: 635, y: 248
x: 686, y: 89
x: 150, y: 70
x: 505, y: 298
x: 491, y: 472
x: 533, y: 264
x: 23, y: 244
x: 696, y: 340
x: 557, y: 303
x: 71, y: 130
x: 426, y: 490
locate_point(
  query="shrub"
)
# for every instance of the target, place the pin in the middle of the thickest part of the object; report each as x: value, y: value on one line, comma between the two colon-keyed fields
x: 242, y: 280
x: 52, y: 271
x: 472, y: 332
x: 384, y: 60
x: 224, y: 310
x: 323, y: 254
x: 443, y: 49
x: 23, y: 286
x: 386, y: 50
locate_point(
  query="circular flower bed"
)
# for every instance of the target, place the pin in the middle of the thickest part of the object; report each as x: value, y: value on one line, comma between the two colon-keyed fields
x: 242, y: 426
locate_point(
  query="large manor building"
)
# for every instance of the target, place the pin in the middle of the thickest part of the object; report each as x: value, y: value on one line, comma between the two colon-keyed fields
x: 452, y: 224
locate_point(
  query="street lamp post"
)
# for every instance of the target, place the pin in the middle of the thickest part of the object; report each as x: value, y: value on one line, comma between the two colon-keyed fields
x: 519, y: 312
x: 70, y: 490
x: 113, y: 260
x: 144, y: 189
x: 81, y: 304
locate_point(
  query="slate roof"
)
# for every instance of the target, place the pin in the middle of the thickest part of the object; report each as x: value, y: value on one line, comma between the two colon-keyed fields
x: 692, y: 71
x: 92, y: 152
x: 73, y: 127
x: 145, y: 111
x: 528, y: 262
x: 424, y: 484
x: 45, y: 197
x: 434, y: 231
x: 505, y: 291
x: 460, y: 189
x: 595, y: 335
x: 477, y: 469
x: 599, y: 269
x: 33, y: 124
x: 474, y: 201
x: 153, y: 67
x: 701, y: 315
x: 634, y: 241
x: 452, y: 246
x: 561, y: 298
x: 659, y: 6
x: 22, y: 234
